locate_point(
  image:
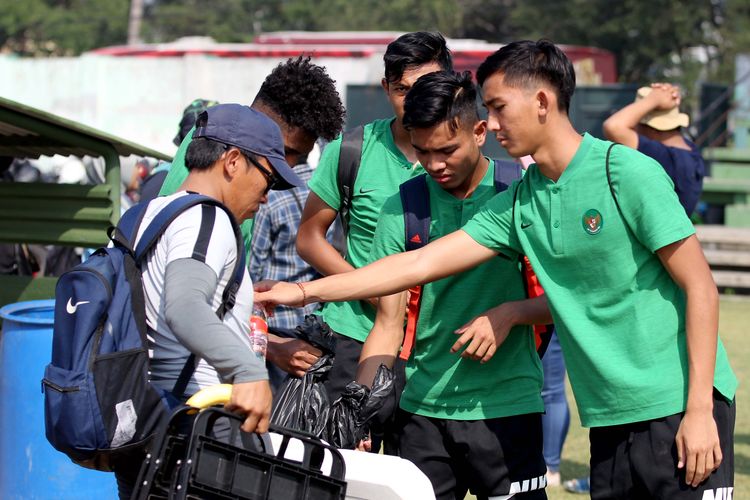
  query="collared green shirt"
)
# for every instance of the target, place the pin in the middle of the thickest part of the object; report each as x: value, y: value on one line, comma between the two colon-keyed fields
x: 439, y: 383
x: 619, y: 315
x: 382, y: 169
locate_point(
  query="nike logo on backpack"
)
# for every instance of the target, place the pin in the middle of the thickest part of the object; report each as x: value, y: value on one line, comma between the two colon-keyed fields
x: 71, y: 308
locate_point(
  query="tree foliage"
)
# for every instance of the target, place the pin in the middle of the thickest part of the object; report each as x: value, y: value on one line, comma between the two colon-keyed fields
x: 651, y: 40
x: 655, y: 39
x: 61, y: 27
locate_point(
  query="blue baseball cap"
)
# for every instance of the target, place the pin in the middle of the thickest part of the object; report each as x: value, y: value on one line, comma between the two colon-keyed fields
x: 251, y: 131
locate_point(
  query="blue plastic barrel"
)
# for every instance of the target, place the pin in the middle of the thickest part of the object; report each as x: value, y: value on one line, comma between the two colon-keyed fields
x: 30, y: 467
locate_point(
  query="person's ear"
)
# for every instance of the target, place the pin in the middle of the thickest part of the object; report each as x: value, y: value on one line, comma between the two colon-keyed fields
x: 232, y: 162
x: 480, y: 132
x: 545, y: 99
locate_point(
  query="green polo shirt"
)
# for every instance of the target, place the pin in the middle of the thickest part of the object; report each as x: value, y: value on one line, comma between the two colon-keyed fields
x: 382, y: 169
x: 178, y: 172
x: 439, y: 383
x: 619, y: 315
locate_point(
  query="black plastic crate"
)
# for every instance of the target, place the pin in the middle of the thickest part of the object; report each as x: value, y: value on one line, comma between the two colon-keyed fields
x: 195, y: 464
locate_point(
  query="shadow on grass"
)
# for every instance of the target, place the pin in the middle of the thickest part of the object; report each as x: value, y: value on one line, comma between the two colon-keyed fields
x: 572, y: 469
x: 741, y: 464
x: 741, y: 438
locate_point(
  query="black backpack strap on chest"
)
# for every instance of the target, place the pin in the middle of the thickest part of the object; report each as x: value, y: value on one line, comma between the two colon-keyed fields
x: 350, y: 156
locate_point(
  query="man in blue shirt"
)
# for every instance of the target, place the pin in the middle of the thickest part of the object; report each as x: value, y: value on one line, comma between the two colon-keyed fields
x: 652, y: 125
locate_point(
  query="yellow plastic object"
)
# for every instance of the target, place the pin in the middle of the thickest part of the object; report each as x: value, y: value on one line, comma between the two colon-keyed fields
x: 211, y: 396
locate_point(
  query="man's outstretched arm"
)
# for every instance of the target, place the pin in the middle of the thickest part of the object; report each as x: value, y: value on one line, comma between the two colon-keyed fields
x: 446, y: 256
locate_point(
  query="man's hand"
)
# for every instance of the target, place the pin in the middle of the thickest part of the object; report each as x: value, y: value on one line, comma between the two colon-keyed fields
x: 365, y: 444
x: 252, y: 399
x: 272, y: 293
x: 698, y: 450
x: 294, y: 356
x: 484, y: 334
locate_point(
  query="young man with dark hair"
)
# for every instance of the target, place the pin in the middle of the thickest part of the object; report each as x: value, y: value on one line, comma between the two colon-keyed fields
x: 633, y: 300
x: 302, y: 100
x: 387, y: 159
x: 653, y: 125
x: 466, y: 425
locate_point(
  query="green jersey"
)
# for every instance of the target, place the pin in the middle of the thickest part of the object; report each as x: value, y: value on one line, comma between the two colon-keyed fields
x: 439, y: 383
x: 619, y: 315
x: 178, y: 172
x: 382, y: 169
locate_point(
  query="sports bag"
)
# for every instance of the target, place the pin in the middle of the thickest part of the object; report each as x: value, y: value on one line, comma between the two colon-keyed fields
x: 98, y: 401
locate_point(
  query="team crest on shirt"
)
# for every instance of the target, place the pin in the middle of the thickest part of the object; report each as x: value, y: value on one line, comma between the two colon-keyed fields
x: 592, y: 221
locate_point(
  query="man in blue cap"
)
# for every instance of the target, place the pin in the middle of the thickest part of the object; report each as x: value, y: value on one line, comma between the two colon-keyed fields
x: 236, y: 157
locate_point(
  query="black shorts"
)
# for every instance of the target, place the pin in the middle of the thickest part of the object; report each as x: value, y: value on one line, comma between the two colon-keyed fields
x: 639, y: 460
x: 491, y: 458
x: 344, y: 370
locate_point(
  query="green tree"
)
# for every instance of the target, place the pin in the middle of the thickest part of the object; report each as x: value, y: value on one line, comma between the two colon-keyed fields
x: 58, y: 27
x: 651, y: 40
x: 373, y: 15
x: 222, y: 20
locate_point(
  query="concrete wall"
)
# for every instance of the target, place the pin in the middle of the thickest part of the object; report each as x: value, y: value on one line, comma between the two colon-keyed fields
x: 141, y: 98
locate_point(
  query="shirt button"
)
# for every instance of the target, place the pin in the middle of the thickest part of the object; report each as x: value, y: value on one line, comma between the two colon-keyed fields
x: 557, y: 223
x: 555, y: 190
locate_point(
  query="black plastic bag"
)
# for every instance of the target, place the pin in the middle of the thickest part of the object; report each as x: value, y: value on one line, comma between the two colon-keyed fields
x: 348, y: 421
x: 302, y: 403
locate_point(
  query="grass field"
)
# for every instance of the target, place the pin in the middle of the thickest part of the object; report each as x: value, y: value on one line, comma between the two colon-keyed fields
x: 734, y: 324
x: 734, y: 321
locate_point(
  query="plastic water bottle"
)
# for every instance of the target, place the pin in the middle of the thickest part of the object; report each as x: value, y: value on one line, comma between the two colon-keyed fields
x: 259, y: 331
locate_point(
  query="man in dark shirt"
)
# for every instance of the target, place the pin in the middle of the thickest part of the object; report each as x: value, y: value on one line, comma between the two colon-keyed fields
x: 652, y: 125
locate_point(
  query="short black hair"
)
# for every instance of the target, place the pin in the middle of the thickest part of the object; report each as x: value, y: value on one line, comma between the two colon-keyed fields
x: 202, y: 153
x: 303, y: 95
x: 415, y: 49
x: 525, y: 62
x: 441, y: 96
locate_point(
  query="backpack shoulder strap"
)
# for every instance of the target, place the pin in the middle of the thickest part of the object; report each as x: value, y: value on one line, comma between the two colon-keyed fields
x: 151, y: 235
x: 127, y: 228
x: 350, y: 156
x: 609, y: 178
x: 168, y: 214
x: 506, y: 172
x: 415, y: 198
